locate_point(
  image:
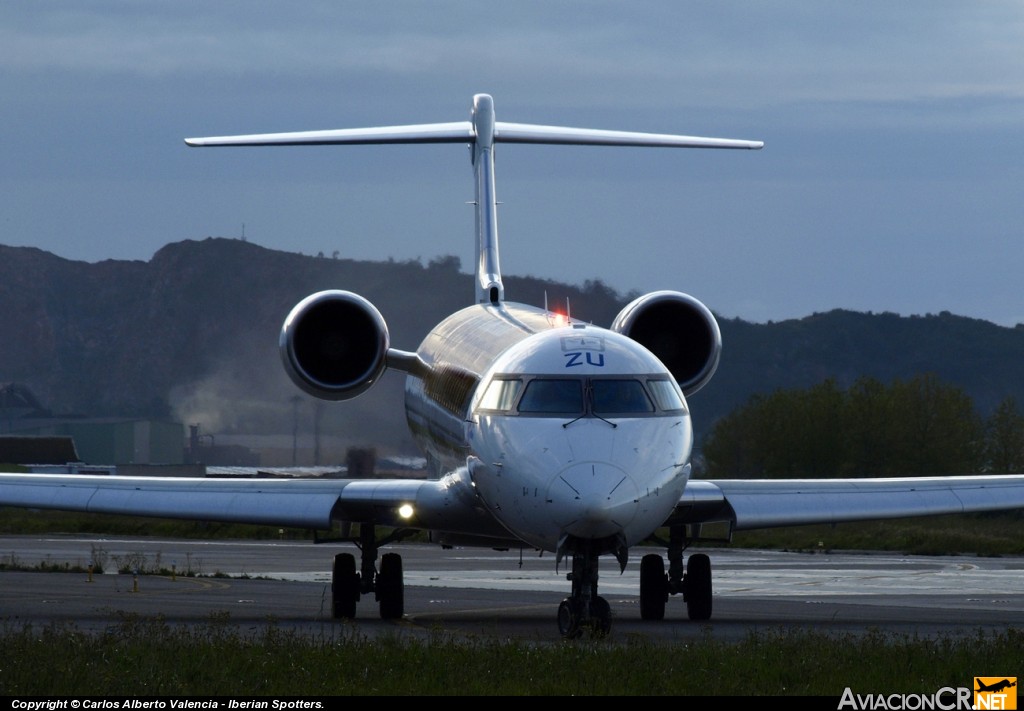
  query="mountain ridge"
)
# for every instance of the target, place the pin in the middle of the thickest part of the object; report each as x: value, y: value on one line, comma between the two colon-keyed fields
x: 192, y: 335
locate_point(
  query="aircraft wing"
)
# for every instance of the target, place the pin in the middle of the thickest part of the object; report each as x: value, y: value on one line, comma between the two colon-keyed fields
x: 449, y: 504
x: 769, y: 503
x: 446, y: 504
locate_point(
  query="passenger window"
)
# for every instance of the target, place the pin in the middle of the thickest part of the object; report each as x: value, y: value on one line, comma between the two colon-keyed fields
x: 666, y: 394
x: 501, y: 395
x: 620, y: 397
x: 552, y: 397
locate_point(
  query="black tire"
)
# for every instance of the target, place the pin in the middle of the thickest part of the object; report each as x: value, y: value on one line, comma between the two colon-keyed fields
x: 698, y: 587
x: 569, y: 620
x: 391, y: 587
x: 600, y: 616
x: 344, y: 587
x: 653, y: 587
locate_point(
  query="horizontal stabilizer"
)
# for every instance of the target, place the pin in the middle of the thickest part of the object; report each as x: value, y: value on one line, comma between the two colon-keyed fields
x: 531, y: 133
x: 463, y: 132
x: 456, y: 132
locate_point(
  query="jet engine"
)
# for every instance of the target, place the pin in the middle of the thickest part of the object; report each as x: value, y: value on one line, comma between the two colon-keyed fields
x: 334, y: 345
x: 679, y: 330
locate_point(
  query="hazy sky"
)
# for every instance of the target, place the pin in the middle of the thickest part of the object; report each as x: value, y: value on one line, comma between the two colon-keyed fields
x: 891, y: 179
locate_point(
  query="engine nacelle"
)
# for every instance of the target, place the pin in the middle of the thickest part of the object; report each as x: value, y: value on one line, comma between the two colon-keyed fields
x: 679, y: 330
x: 334, y: 345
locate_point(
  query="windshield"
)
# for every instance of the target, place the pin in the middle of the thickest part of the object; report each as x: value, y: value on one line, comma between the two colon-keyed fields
x: 582, y: 396
x: 610, y: 397
x: 562, y: 397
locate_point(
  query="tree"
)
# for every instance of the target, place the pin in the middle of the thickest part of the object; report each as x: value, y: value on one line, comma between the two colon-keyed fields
x: 936, y: 429
x: 1004, y: 439
x: 909, y: 428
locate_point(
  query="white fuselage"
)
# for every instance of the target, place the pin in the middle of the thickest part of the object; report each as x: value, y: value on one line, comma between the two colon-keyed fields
x: 570, y: 430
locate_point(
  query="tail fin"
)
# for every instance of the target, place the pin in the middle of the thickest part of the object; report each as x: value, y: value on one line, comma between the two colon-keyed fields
x: 481, y: 132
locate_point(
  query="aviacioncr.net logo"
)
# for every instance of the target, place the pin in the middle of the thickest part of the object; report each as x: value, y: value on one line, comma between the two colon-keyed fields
x: 945, y: 699
x: 995, y: 692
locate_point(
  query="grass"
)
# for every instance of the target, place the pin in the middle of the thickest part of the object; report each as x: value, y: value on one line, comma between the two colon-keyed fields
x: 15, y: 521
x: 12, y: 562
x: 149, y: 657
x: 992, y: 534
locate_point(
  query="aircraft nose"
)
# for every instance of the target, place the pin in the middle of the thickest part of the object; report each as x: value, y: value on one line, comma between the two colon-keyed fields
x: 593, y: 499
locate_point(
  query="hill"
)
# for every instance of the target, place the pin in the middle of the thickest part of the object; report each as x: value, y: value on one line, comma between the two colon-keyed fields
x: 192, y: 335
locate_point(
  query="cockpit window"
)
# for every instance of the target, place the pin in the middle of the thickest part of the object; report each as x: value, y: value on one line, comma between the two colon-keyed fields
x: 666, y: 395
x: 619, y: 397
x: 501, y: 395
x: 552, y: 397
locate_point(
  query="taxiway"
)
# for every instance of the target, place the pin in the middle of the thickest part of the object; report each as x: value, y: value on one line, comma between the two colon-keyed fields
x: 473, y: 591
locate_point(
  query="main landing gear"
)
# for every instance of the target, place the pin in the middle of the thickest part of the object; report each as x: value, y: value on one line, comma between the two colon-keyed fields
x: 348, y: 586
x: 656, y: 586
x: 584, y: 608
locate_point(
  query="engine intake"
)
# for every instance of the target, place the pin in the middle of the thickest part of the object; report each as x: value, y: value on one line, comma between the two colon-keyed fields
x: 334, y: 345
x: 679, y: 330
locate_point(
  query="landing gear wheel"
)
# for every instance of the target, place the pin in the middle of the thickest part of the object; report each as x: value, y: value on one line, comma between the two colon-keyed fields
x: 569, y: 619
x: 344, y: 587
x: 698, y: 587
x: 391, y: 587
x: 653, y: 587
x: 600, y: 616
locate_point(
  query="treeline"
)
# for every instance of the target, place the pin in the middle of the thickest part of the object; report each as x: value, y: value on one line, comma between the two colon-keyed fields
x: 917, y: 427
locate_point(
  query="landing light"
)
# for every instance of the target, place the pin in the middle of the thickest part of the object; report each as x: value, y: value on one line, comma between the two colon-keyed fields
x: 406, y: 511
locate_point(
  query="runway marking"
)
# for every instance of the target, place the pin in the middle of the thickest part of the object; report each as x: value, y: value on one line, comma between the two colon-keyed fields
x: 180, y: 586
x: 545, y: 608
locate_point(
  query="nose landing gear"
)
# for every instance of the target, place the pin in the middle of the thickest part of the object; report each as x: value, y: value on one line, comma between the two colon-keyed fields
x: 584, y: 608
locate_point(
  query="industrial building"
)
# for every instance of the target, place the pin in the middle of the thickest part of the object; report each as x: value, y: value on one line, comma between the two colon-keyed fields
x: 30, y: 428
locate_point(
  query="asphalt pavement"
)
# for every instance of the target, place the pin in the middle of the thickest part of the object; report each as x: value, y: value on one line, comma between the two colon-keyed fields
x: 504, y: 594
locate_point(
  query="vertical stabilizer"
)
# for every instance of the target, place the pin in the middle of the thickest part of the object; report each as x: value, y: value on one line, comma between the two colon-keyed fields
x: 489, y: 289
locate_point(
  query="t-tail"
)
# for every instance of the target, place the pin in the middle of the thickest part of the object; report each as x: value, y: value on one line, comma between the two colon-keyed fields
x: 481, y: 132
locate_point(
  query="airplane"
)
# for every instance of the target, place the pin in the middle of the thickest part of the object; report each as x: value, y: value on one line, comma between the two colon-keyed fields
x: 997, y: 686
x: 541, y: 431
